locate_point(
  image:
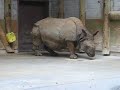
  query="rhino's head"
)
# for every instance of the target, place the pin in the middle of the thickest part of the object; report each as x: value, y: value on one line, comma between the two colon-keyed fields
x: 86, y: 43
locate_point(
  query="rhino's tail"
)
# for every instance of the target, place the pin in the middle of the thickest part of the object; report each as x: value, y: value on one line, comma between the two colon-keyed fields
x: 35, y: 31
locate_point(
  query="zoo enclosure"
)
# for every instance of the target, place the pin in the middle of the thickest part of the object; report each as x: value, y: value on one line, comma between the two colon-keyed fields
x: 101, y: 15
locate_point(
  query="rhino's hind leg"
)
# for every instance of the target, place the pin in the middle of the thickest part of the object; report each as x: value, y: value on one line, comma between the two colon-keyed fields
x: 37, y: 45
x: 52, y: 53
x: 36, y: 51
x: 71, y: 48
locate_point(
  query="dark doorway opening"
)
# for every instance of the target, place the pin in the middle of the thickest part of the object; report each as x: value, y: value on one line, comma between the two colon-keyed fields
x: 29, y: 13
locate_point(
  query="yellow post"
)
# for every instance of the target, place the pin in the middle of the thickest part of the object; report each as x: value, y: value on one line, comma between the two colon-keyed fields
x: 82, y: 11
x: 106, y: 28
x: 7, y: 15
x: 61, y: 9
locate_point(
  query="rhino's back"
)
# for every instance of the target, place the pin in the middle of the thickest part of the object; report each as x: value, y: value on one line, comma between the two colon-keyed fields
x: 58, y: 29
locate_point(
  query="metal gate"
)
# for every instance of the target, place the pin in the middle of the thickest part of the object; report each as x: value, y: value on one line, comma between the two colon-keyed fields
x: 29, y: 13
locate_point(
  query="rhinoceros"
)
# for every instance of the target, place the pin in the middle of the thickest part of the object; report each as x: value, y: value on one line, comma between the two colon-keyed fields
x: 55, y: 34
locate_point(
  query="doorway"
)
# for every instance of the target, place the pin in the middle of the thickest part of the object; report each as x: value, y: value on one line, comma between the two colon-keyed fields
x: 29, y: 13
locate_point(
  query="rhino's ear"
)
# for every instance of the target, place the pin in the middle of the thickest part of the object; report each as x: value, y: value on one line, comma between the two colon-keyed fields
x: 82, y: 36
x: 95, y: 33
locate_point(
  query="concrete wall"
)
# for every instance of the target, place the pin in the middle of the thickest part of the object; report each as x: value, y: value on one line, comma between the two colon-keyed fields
x: 94, y: 9
x: 72, y: 8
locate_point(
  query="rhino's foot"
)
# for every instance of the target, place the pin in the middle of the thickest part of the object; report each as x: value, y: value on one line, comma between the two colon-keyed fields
x: 73, y: 56
x: 38, y: 53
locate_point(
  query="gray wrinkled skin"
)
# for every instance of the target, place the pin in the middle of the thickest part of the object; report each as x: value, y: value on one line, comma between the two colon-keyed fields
x: 55, y: 34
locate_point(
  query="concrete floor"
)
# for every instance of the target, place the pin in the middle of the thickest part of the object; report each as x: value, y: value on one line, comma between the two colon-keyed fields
x: 28, y: 72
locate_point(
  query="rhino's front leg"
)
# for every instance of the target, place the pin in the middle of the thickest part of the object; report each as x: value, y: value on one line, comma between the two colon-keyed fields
x: 71, y: 48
